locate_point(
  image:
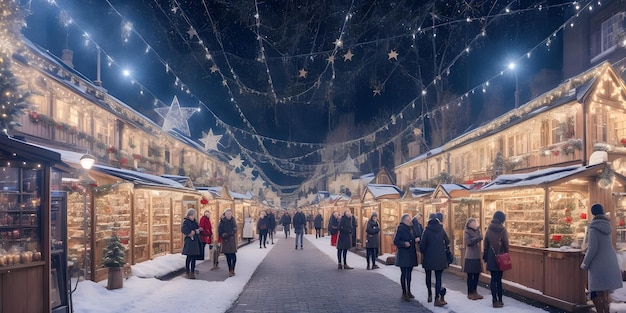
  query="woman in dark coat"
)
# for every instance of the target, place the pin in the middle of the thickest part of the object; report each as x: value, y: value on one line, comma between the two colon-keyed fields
x: 496, y: 239
x: 472, y: 266
x: 191, y: 245
x: 344, y: 242
x: 262, y: 228
x: 317, y: 223
x: 433, y: 248
x: 372, y: 242
x: 285, y: 220
x: 228, y: 232
x: 333, y: 228
x: 406, y: 254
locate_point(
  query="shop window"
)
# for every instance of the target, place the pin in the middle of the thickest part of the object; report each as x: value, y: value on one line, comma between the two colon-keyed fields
x: 610, y: 31
x: 599, y: 125
x: 568, y: 219
x: 545, y: 133
x: 524, y: 218
x: 620, y: 220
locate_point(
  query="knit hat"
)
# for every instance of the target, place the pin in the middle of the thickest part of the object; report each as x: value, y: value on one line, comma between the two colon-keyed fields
x: 374, y: 213
x: 432, y: 216
x: 499, y: 215
x: 439, y: 216
x: 597, y: 209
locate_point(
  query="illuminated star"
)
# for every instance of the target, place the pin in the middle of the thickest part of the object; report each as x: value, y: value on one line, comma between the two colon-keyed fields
x: 175, y: 9
x: 192, y: 32
x: 393, y: 55
x: 377, y: 91
x: 348, y: 56
x: 224, y: 82
x: 210, y: 141
x: 338, y: 43
x: 176, y: 117
x: 303, y: 73
x: 214, y: 68
x: 248, y: 171
x: 331, y: 59
x: 236, y: 162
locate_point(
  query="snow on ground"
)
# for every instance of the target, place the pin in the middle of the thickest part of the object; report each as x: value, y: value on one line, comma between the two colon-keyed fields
x: 151, y: 295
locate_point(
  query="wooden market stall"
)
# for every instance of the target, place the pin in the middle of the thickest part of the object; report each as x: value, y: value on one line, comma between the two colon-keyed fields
x: 219, y: 200
x: 547, y: 215
x: 27, y: 277
x: 383, y: 199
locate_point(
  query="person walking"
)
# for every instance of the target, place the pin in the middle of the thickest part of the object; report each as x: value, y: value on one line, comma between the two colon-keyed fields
x: 318, y: 222
x: 472, y: 265
x: 299, y: 223
x: 285, y: 220
x: 262, y: 229
x: 354, y: 226
x: 418, y: 229
x: 344, y: 242
x: 191, y: 244
x: 206, y: 235
x: 333, y: 228
x: 496, y: 241
x: 271, y: 224
x: 406, y: 254
x: 228, y: 231
x: 248, y: 228
x: 372, y: 242
x: 433, y: 248
x: 600, y: 261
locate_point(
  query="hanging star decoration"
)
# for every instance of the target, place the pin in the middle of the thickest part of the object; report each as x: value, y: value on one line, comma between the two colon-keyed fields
x: 224, y: 82
x: 393, y: 55
x: 210, y: 141
x: 248, y: 171
x: 348, y: 56
x: 174, y: 9
x: 236, y: 162
x: 331, y: 59
x: 303, y: 73
x: 338, y: 43
x: 192, y: 32
x: 377, y: 91
x: 214, y: 68
x: 176, y: 117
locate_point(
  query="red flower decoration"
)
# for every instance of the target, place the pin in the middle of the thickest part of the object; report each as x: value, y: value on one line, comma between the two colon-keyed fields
x: 136, y: 156
x: 555, y: 152
x: 59, y: 126
x: 556, y: 237
x: 567, y: 219
x: 583, y: 216
x: 623, y: 141
x: 112, y: 149
x: 124, y: 161
x: 622, y: 222
x: 204, y: 201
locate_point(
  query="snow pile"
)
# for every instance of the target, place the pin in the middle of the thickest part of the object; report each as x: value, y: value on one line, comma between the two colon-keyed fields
x: 160, y: 266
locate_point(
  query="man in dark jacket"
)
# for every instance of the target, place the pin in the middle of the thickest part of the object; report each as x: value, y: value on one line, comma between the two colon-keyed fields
x: 271, y: 224
x: 299, y: 223
x: 344, y: 242
x: 433, y: 248
x: 285, y: 220
x: 318, y: 222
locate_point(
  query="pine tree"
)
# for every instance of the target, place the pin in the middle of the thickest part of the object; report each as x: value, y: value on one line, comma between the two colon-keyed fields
x: 113, y: 255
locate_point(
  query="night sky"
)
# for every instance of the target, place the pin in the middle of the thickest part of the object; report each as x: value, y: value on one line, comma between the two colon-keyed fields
x: 370, y: 95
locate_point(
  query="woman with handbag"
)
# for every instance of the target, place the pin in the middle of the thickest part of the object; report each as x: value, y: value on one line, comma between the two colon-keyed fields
x: 496, y: 245
x: 472, y: 265
x: 406, y: 254
x: 434, y: 258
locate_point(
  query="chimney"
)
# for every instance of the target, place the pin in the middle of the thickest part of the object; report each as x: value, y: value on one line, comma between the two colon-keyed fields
x: 68, y: 57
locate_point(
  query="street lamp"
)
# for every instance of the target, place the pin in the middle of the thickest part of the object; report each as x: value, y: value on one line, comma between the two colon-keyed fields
x: 512, y: 68
x: 86, y: 162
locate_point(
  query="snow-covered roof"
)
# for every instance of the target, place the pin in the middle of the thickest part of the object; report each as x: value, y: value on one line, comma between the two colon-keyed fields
x: 240, y: 196
x: 367, y: 178
x: 422, y: 156
x: 419, y: 192
x: 183, y: 180
x: 379, y: 190
x: 339, y: 197
x: 539, y: 178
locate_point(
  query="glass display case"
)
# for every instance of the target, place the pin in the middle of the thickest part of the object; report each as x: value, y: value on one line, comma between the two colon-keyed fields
x: 77, y: 239
x: 20, y: 216
x: 161, y: 226
x: 620, y: 221
x: 178, y: 212
x: 389, y: 220
x: 525, y: 217
x: 140, y: 231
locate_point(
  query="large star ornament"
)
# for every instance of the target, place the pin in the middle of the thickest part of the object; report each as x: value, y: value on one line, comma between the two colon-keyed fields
x: 248, y: 171
x: 392, y: 55
x: 210, y: 141
x: 236, y: 162
x: 176, y: 117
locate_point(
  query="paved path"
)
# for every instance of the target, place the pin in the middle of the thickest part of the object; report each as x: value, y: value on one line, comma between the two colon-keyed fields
x: 307, y: 280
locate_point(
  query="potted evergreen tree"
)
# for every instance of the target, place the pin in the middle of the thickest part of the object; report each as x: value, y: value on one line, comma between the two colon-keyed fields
x: 114, y: 259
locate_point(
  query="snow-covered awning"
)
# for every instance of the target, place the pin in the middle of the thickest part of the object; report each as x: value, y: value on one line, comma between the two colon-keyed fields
x: 543, y: 178
x: 451, y: 191
x: 380, y: 190
x: 418, y: 192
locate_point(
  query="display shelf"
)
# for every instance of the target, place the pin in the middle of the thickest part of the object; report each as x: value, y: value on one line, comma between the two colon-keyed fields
x: 112, y: 216
x: 525, y: 218
x: 161, y: 225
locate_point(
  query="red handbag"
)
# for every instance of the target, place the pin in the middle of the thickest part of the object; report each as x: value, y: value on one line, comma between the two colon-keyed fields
x: 503, y: 260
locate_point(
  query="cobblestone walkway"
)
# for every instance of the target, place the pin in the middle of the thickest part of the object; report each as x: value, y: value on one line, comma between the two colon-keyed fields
x: 307, y: 280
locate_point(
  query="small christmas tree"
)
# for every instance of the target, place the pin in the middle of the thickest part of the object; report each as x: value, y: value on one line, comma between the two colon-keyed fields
x: 113, y: 255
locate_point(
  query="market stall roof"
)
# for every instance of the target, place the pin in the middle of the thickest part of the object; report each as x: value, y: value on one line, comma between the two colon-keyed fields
x: 14, y: 149
x: 241, y: 196
x: 451, y: 191
x: 367, y: 178
x: 543, y: 178
x: 418, y: 192
x: 338, y: 197
x: 379, y: 191
x: 217, y: 192
x: 183, y: 180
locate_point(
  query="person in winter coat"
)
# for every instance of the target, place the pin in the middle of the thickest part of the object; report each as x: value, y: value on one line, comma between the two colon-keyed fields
x: 299, y: 223
x: 191, y: 244
x: 285, y: 220
x: 248, y: 228
x: 333, y: 228
x: 354, y: 226
x: 472, y: 266
x: 433, y: 248
x: 600, y: 260
x: 271, y: 224
x: 228, y: 232
x: 372, y: 243
x: 496, y: 241
x: 418, y: 229
x: 406, y: 254
x: 262, y: 229
x: 317, y: 223
x: 344, y: 242
x: 206, y: 235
